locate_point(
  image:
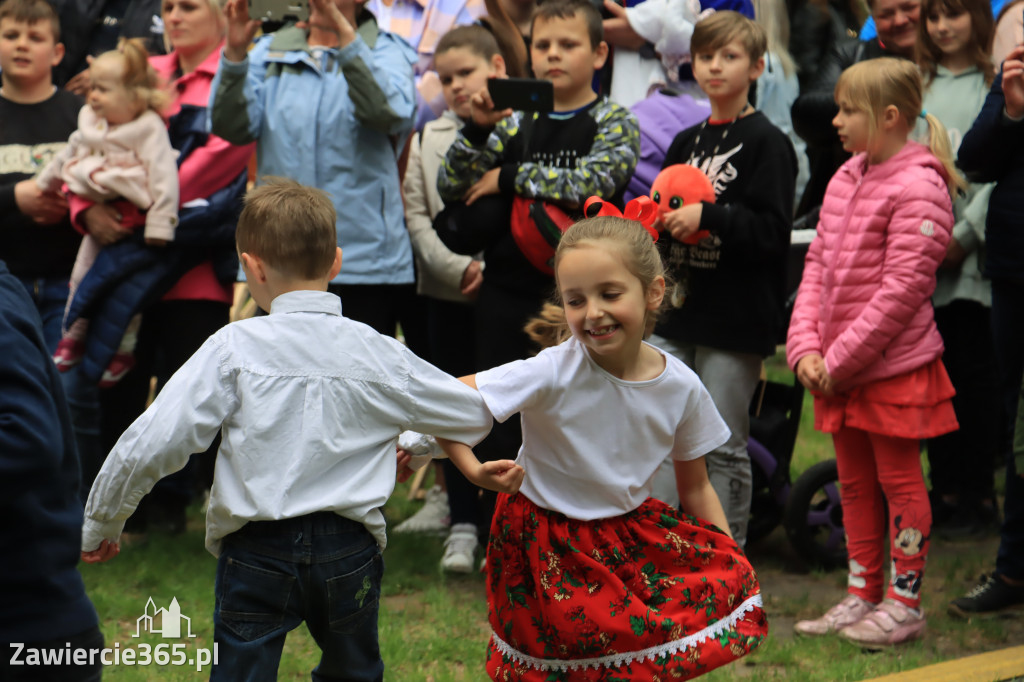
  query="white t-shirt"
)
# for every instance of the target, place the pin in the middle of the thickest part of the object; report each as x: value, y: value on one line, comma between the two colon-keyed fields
x: 592, y: 442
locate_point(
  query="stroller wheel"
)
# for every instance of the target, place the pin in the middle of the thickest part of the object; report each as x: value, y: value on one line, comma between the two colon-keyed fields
x: 813, y: 517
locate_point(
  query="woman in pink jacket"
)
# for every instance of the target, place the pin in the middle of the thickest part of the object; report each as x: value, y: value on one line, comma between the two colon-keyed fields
x: 863, y: 339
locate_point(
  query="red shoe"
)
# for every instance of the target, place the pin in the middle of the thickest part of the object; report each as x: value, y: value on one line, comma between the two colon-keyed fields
x: 68, y: 354
x: 120, y: 365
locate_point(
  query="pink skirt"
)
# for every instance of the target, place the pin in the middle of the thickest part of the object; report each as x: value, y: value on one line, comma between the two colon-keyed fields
x: 917, y: 404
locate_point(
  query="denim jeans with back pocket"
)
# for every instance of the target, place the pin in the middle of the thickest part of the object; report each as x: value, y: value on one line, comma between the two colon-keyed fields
x: 272, y: 575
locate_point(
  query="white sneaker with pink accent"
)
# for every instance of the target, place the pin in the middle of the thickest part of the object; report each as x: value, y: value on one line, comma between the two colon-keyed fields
x: 891, y: 623
x: 847, y: 612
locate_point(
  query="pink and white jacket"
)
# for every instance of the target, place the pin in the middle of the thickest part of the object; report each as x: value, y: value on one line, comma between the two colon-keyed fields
x: 864, y: 299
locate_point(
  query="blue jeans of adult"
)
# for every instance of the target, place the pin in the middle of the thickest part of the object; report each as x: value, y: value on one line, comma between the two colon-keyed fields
x: 321, y: 568
x: 50, y: 296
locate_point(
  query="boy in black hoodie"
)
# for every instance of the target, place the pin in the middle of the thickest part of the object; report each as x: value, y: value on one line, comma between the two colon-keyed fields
x: 729, y: 257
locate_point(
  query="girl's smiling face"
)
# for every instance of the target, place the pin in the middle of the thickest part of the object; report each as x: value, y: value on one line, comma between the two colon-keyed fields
x: 605, y: 303
x: 950, y: 32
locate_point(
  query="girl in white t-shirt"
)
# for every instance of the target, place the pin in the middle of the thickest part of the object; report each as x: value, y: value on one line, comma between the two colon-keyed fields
x: 585, y: 572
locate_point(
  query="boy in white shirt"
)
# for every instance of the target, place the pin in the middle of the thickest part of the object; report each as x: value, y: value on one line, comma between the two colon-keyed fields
x: 310, y: 405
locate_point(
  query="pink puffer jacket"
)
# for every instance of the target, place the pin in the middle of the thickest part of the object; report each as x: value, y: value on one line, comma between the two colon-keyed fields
x: 864, y: 300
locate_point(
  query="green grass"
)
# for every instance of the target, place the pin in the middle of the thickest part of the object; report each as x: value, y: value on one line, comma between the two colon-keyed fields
x: 433, y: 627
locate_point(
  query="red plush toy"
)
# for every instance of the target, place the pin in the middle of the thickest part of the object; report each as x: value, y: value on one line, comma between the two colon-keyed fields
x: 682, y: 185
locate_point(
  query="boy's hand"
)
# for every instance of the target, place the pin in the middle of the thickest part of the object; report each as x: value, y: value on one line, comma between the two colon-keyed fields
x: 105, y: 552
x: 241, y: 30
x: 1013, y: 82
x: 482, y: 109
x: 472, y: 278
x: 488, y: 184
x: 955, y: 255
x: 683, y: 222
x: 809, y: 371
x: 44, y: 208
x: 503, y: 476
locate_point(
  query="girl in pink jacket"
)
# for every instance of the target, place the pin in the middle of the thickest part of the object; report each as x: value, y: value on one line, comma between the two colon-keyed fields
x: 863, y: 340
x: 121, y: 154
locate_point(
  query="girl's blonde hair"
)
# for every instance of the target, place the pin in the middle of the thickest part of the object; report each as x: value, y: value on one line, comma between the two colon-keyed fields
x: 774, y: 18
x: 983, y: 28
x: 625, y: 237
x: 138, y: 77
x: 874, y: 84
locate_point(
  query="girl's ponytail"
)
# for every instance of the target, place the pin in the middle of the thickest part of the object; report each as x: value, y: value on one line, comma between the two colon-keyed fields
x: 139, y: 77
x: 938, y: 143
x: 549, y: 327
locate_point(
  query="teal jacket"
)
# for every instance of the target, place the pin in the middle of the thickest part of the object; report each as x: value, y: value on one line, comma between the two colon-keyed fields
x: 333, y: 119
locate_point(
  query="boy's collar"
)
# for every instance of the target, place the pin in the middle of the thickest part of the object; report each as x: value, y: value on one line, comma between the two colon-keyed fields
x: 6, y: 93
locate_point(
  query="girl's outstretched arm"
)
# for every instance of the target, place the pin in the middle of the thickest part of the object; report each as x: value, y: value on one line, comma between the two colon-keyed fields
x: 696, y: 496
x: 503, y: 475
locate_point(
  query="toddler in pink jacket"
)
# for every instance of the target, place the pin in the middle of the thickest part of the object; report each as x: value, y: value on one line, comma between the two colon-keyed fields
x: 121, y: 154
x: 863, y: 339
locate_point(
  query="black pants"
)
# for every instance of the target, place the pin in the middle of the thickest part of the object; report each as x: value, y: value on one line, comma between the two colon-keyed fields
x: 170, y: 333
x: 963, y: 462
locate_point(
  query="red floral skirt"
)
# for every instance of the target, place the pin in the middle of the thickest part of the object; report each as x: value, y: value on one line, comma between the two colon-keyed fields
x: 917, y: 404
x: 650, y: 594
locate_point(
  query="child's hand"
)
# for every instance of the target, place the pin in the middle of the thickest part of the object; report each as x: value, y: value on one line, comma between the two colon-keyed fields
x: 488, y: 184
x: 809, y: 371
x: 153, y: 241
x: 241, y: 30
x: 482, y: 109
x: 955, y: 255
x: 503, y: 476
x: 683, y: 222
x: 404, y: 471
x: 1013, y: 82
x: 105, y: 552
x: 827, y: 383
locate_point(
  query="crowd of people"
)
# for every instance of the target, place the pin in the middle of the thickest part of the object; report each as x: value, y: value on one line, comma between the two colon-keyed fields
x: 597, y: 440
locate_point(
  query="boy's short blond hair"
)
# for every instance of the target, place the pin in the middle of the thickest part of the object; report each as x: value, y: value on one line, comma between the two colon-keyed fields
x: 31, y: 12
x: 725, y: 26
x: 567, y: 9
x: 290, y: 226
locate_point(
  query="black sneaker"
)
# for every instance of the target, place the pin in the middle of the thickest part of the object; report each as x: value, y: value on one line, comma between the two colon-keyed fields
x: 989, y: 596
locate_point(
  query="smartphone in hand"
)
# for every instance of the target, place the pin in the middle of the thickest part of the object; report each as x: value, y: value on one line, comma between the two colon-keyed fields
x: 521, y: 94
x: 275, y: 13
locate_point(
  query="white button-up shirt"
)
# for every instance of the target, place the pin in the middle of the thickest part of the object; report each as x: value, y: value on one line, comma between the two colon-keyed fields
x: 309, y: 404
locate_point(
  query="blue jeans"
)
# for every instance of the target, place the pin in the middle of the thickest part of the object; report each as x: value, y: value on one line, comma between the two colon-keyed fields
x: 272, y: 575
x: 50, y: 296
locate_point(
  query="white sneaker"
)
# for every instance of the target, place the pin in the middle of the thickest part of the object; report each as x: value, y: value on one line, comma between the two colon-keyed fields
x: 459, y: 548
x: 433, y: 517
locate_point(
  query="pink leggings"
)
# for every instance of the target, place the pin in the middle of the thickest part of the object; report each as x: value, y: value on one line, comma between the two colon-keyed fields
x: 870, y: 465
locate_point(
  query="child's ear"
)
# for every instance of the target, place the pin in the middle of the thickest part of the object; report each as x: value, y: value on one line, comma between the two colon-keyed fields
x: 890, y: 117
x: 253, y: 266
x: 498, y: 67
x: 336, y: 266
x: 58, y: 54
x: 756, y: 69
x: 656, y: 293
x: 600, y: 55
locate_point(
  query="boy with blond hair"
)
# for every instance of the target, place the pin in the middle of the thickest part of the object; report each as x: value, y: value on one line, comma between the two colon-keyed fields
x: 309, y: 405
x: 729, y: 257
